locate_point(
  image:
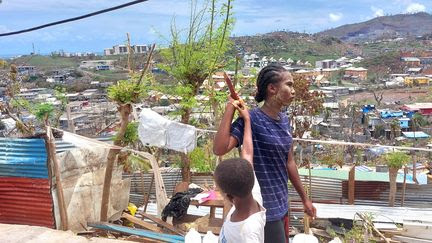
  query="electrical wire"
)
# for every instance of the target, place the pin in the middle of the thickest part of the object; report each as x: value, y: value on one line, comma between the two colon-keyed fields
x: 73, y: 19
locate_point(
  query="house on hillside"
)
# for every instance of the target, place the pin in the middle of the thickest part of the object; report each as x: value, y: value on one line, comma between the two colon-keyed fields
x: 422, y: 108
x: 354, y: 73
x: 27, y: 70
x: 97, y: 64
x: 329, y: 72
x: 426, y: 60
x: 327, y: 63
x: 414, y: 70
x: 414, y: 81
x: 411, y: 61
x: 415, y: 135
x: 306, y: 74
x: 335, y: 90
x: 252, y: 60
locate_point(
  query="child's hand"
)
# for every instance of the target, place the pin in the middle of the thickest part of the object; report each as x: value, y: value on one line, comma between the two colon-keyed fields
x: 241, y: 107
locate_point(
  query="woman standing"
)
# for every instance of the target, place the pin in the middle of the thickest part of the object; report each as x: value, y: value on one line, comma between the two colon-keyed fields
x: 273, y: 150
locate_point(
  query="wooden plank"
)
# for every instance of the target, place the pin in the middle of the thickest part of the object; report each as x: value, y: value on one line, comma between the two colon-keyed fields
x: 139, y: 232
x: 141, y: 223
x: 163, y: 224
x: 161, y: 196
x: 419, y: 229
x: 59, y: 187
x: 406, y: 239
x: 351, y: 186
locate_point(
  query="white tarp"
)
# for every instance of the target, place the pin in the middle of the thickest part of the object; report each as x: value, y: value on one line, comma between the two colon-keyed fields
x: 380, y: 214
x: 156, y: 130
x: 82, y: 174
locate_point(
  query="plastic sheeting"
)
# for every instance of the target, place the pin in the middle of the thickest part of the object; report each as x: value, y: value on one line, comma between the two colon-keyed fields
x: 155, y: 130
x: 83, y: 172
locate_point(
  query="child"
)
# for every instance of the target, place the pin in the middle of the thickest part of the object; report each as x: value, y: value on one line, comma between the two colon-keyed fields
x: 236, y: 179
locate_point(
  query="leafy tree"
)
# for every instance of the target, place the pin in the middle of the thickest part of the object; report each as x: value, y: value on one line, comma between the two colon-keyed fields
x: 124, y: 94
x: 305, y: 105
x: 394, y: 161
x: 44, y: 112
x: 194, y: 55
x: 394, y: 127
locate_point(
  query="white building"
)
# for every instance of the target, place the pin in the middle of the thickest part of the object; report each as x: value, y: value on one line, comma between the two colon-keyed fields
x: 97, y: 64
x: 122, y: 50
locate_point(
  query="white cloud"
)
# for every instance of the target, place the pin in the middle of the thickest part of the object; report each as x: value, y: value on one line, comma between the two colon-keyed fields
x: 415, y: 8
x: 377, y: 11
x: 3, y: 29
x: 335, y: 16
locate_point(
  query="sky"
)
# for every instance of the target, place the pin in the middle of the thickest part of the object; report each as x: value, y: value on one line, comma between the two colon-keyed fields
x: 149, y: 22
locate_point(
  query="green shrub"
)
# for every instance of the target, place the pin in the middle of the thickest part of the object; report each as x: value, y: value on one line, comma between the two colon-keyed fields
x: 396, y: 159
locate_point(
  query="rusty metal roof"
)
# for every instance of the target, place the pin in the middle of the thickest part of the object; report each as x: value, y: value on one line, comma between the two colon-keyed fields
x: 26, y: 201
x: 23, y: 158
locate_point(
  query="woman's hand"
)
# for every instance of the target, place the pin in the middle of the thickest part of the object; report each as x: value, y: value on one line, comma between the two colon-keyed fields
x: 309, y: 208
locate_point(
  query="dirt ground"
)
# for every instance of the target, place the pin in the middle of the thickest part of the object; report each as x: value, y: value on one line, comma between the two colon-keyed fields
x: 394, y: 96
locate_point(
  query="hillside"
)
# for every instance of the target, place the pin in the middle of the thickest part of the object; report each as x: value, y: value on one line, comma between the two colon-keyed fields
x: 297, y: 46
x: 400, y: 25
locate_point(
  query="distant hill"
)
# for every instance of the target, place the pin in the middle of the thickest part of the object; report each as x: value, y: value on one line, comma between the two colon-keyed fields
x: 294, y: 45
x: 400, y: 25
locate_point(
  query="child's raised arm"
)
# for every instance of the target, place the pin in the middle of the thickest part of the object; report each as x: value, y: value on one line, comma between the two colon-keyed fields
x: 247, y: 149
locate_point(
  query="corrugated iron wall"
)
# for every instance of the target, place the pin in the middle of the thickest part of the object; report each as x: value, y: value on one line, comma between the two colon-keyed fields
x: 170, y: 178
x: 323, y: 190
x: 25, y: 195
x: 377, y: 194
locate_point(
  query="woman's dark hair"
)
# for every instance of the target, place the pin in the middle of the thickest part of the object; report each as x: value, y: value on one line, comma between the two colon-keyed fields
x: 270, y: 74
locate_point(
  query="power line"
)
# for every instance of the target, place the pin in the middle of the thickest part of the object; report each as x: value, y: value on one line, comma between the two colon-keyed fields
x: 73, y: 19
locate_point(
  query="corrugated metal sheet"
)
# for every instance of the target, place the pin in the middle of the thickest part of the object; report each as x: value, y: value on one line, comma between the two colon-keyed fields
x: 23, y: 158
x: 62, y: 146
x: 377, y: 194
x: 323, y: 190
x: 170, y: 178
x: 26, y: 201
x: 25, y: 195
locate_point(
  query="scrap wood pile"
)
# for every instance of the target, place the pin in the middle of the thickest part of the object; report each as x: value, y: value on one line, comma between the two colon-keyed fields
x: 356, y: 223
x: 136, y: 225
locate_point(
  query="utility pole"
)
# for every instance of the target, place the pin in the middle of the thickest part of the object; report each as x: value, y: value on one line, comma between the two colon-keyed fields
x: 71, y: 125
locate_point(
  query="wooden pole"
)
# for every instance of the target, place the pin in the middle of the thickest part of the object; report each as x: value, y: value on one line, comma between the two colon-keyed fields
x: 71, y: 125
x: 404, y: 186
x: 112, y: 154
x: 351, y: 186
x: 161, y: 196
x: 59, y: 187
x: 147, y: 196
x: 130, y: 69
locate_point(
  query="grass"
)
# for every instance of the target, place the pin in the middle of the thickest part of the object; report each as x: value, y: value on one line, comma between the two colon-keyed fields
x: 110, y: 75
x: 48, y: 62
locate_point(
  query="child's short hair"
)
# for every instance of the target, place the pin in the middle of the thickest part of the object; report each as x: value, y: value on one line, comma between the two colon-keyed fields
x: 235, y: 177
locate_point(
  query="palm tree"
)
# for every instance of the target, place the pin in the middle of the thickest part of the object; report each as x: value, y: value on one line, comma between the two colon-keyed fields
x: 394, y: 126
x: 395, y: 161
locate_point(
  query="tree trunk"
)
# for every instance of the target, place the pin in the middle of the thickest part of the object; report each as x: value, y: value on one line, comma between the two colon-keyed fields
x: 185, y: 169
x: 301, y: 153
x: 393, y: 186
x: 125, y: 111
